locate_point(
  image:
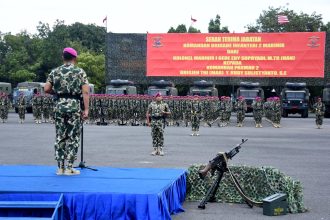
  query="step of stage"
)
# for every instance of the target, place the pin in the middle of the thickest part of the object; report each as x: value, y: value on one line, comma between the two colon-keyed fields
x: 17, y: 210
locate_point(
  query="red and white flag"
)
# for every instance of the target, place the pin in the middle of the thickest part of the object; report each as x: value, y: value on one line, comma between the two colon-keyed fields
x: 193, y: 19
x: 105, y: 19
x: 282, y: 19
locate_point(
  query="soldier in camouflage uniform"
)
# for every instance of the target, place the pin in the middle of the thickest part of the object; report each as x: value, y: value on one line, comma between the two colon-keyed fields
x: 276, y: 112
x: 46, y: 108
x: 37, y: 107
x: 195, y: 116
x: 258, y: 111
x: 222, y: 111
x: 68, y: 82
x: 156, y: 112
x: 21, y: 102
x: 3, y: 107
x: 241, y: 108
x: 319, y: 108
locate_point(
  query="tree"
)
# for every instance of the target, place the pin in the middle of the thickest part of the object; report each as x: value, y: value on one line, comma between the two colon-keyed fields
x: 193, y: 30
x: 22, y: 76
x: 267, y: 21
x: 215, y: 26
x: 326, y: 27
x: 94, y: 66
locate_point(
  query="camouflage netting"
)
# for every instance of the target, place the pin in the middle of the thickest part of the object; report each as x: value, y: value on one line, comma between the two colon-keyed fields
x: 257, y: 183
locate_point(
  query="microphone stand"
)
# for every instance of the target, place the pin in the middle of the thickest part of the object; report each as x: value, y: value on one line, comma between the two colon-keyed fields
x: 82, y: 162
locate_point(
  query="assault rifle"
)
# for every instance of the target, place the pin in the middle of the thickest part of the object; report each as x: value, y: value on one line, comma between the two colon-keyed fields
x: 219, y: 165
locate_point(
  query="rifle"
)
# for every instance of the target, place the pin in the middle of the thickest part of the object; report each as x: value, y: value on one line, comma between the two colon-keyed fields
x: 219, y: 164
x: 220, y: 160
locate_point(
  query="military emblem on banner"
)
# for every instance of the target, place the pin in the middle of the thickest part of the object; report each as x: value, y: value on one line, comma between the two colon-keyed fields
x: 313, y: 42
x: 157, y: 42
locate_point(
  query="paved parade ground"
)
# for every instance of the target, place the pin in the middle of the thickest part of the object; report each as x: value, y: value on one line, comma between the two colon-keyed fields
x: 297, y: 149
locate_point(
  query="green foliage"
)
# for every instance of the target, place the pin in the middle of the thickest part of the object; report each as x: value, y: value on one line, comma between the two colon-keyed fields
x: 26, y: 57
x: 267, y: 21
x: 183, y: 29
x: 193, y: 30
x: 94, y: 66
x: 215, y: 26
x: 22, y: 76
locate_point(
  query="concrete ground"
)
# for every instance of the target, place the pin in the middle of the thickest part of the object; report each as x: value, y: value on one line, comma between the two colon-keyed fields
x: 298, y: 149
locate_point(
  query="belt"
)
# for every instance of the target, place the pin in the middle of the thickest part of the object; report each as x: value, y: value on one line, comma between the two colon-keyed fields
x: 68, y: 96
x: 156, y: 117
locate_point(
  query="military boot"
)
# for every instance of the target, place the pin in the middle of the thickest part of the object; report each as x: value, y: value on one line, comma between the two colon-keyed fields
x: 69, y: 171
x: 155, y: 151
x: 161, y: 152
x: 61, y: 168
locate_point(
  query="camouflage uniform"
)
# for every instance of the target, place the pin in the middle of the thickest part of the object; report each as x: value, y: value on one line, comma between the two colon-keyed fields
x: 240, y: 107
x: 46, y: 108
x: 3, y: 107
x: 67, y: 81
x: 258, y: 112
x: 277, y: 112
x: 21, y: 108
x: 156, y: 111
x: 195, y: 117
x: 37, y: 108
x: 319, y: 108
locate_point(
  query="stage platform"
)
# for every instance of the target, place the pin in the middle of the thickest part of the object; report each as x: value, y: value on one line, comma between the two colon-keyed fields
x: 109, y: 193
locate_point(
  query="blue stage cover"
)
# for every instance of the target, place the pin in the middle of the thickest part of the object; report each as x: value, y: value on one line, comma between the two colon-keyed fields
x: 109, y: 193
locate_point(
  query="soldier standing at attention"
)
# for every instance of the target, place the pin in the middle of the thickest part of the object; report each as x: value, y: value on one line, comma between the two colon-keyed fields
x: 68, y: 82
x: 21, y: 107
x: 258, y: 111
x: 241, y: 108
x: 319, y: 112
x: 277, y: 112
x: 156, y: 112
x: 195, y: 116
x: 2, y: 107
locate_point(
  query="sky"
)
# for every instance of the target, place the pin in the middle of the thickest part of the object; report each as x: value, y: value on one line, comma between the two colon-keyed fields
x: 141, y: 16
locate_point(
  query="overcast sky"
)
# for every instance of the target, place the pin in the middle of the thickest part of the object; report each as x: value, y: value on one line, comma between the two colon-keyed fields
x: 140, y: 16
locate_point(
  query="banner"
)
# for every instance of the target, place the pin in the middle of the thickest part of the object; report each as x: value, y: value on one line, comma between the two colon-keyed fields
x: 294, y: 54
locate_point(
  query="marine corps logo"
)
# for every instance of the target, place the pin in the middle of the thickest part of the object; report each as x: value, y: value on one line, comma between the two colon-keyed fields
x: 313, y: 42
x: 157, y: 42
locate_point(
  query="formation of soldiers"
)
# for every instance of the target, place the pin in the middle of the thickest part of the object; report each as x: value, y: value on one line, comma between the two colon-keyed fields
x: 273, y: 111
x: 186, y: 110
x: 42, y: 108
x: 4, y: 107
x: 131, y: 109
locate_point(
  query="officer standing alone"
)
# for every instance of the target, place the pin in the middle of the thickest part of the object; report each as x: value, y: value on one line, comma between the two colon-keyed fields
x: 156, y: 112
x: 68, y: 82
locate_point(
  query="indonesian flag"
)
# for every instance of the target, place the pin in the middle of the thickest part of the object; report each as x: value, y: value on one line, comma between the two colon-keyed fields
x: 282, y: 19
x: 105, y: 19
x: 193, y: 19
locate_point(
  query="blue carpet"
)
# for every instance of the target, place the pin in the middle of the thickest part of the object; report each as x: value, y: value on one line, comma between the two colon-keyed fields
x: 109, y: 193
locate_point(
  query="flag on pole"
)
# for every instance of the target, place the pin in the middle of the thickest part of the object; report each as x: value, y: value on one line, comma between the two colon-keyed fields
x: 282, y: 19
x: 193, y: 19
x: 105, y: 19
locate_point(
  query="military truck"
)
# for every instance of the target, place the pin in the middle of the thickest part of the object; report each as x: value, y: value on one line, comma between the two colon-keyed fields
x: 203, y: 88
x: 6, y: 88
x: 121, y: 87
x: 250, y: 90
x: 166, y: 88
x: 326, y: 100
x: 295, y: 99
x: 28, y: 89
